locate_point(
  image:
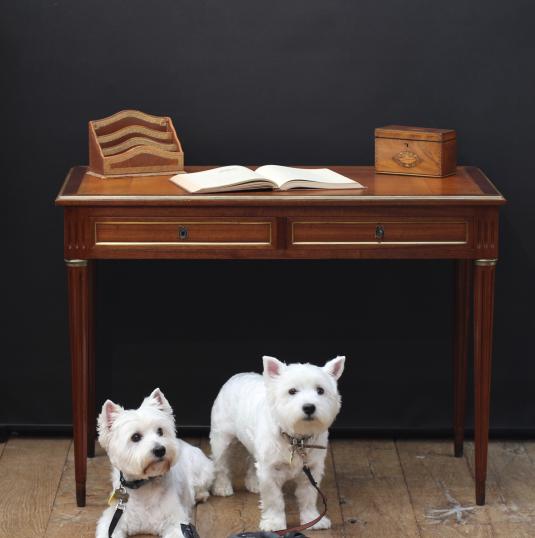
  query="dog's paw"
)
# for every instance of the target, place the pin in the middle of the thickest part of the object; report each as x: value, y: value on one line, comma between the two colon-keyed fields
x: 222, y: 487
x: 251, y: 483
x: 202, y: 495
x: 323, y: 523
x: 272, y: 523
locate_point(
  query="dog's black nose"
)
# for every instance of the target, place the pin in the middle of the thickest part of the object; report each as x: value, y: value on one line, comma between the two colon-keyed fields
x: 159, y: 451
x: 309, y: 409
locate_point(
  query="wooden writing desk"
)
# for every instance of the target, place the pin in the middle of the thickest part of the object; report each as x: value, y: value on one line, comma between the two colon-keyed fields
x: 395, y: 217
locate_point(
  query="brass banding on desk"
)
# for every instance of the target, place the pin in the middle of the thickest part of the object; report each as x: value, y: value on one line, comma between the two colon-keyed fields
x: 393, y: 232
x: 210, y: 233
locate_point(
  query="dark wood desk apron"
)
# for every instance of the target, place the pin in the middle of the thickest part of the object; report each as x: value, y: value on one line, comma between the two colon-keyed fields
x: 149, y: 217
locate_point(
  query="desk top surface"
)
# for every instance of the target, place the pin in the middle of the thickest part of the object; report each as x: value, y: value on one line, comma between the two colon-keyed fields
x: 468, y: 186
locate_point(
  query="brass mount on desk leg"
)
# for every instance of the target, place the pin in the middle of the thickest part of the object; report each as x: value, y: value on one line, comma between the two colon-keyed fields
x: 486, y: 263
x: 76, y: 263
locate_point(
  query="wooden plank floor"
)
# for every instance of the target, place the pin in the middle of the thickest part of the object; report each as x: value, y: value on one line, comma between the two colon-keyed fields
x: 376, y: 488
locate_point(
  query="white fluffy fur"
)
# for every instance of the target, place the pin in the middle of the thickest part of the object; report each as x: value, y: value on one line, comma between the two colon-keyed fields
x: 184, y: 474
x: 255, y: 409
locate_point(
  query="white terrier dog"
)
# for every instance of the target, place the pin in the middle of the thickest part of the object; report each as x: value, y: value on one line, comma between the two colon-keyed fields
x: 289, y: 403
x: 162, y: 475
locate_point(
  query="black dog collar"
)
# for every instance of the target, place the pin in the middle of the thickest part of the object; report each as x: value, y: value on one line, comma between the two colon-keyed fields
x: 134, y: 484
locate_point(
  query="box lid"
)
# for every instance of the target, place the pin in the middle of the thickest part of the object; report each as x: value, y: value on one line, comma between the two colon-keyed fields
x: 406, y: 132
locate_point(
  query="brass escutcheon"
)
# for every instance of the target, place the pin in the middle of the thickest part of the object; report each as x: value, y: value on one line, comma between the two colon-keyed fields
x: 379, y: 232
x: 183, y: 232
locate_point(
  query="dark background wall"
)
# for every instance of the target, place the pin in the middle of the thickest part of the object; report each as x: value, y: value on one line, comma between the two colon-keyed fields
x: 301, y: 81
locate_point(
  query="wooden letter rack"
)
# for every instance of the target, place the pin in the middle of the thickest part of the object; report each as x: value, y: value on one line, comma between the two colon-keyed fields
x: 132, y: 142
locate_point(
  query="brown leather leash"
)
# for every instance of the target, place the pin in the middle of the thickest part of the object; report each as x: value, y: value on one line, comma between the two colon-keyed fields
x: 299, y: 446
x: 306, y: 526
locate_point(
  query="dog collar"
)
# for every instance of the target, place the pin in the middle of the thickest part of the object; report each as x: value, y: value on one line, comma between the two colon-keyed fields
x: 300, y: 441
x: 134, y: 484
x: 299, y: 445
x: 292, y: 439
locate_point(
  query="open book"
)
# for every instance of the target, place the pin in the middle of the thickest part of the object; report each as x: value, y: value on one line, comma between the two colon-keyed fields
x: 241, y: 178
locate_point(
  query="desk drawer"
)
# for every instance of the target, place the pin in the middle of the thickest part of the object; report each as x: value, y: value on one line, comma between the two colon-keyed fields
x: 187, y: 233
x: 377, y: 232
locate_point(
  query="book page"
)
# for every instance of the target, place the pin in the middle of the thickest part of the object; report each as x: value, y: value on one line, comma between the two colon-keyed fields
x: 216, y: 179
x: 318, y: 176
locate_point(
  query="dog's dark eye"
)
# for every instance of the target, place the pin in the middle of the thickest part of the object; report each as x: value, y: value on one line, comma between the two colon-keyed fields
x: 159, y: 431
x: 321, y: 390
x: 292, y: 392
x: 136, y: 437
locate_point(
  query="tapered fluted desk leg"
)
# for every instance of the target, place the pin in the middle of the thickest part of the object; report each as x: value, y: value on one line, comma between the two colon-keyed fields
x: 484, y: 271
x: 91, y: 403
x: 79, y: 317
x: 463, y: 301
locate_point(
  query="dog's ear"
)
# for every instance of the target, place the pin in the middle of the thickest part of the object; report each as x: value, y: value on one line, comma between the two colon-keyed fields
x: 335, y: 367
x: 110, y: 411
x: 158, y: 400
x: 272, y: 367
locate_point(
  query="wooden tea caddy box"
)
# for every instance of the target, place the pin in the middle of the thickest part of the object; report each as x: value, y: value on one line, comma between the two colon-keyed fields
x: 131, y: 142
x: 415, y: 151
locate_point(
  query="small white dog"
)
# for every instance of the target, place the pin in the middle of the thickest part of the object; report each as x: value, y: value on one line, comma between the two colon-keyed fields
x: 162, y: 475
x: 266, y: 414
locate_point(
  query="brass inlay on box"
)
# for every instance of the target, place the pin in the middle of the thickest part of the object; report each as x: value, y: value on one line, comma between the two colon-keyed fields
x: 407, y: 159
x: 183, y: 238
x: 375, y: 240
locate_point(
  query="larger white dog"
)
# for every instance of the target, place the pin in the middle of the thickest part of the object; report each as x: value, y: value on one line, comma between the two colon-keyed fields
x: 162, y: 475
x: 266, y: 414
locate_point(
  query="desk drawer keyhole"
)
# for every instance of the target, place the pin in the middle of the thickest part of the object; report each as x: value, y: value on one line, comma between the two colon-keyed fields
x: 379, y: 232
x: 183, y: 232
